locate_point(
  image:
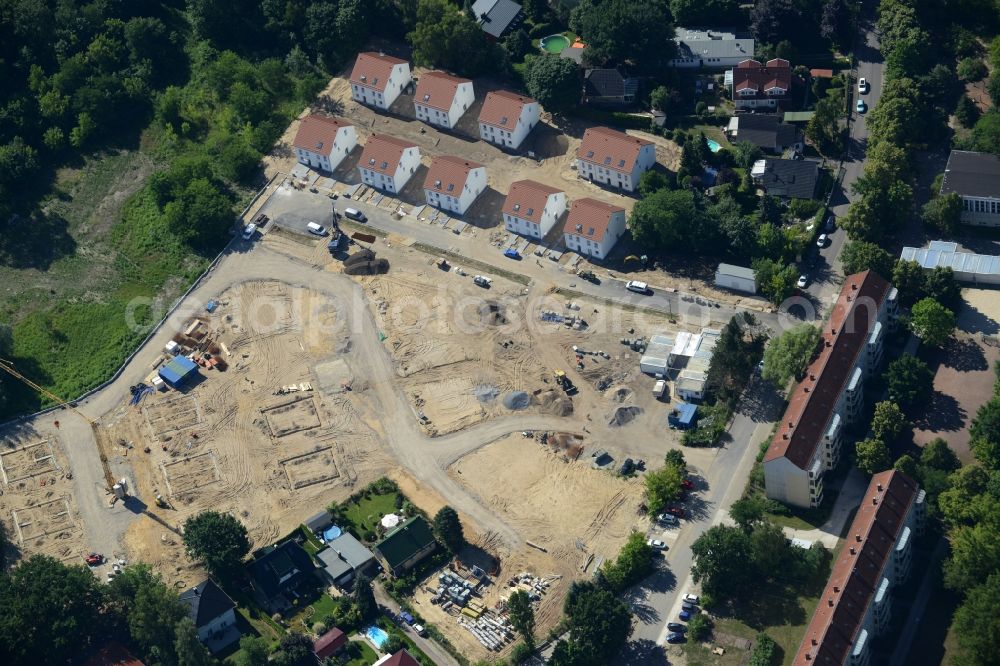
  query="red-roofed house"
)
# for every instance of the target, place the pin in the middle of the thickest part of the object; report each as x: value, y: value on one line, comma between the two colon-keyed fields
x: 757, y: 86
x: 593, y: 227
x: 441, y: 99
x: 322, y: 142
x: 807, y: 442
x: 507, y: 118
x: 377, y: 79
x: 614, y: 158
x: 387, y: 162
x: 329, y: 644
x: 453, y: 183
x: 856, y: 605
x: 532, y: 209
x: 114, y: 654
x: 401, y: 658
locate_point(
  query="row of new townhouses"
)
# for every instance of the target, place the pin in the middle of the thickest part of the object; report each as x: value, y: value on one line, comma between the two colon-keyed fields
x: 441, y: 99
x: 856, y: 605
x: 808, y: 440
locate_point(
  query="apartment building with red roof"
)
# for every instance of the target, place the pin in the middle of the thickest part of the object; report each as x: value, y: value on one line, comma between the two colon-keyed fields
x: 442, y: 99
x: 507, y: 118
x: 387, y: 163
x: 614, y: 158
x: 754, y: 85
x: 453, y: 183
x: 856, y: 605
x: 829, y: 397
x: 593, y: 227
x: 322, y: 142
x: 377, y: 79
x: 532, y: 208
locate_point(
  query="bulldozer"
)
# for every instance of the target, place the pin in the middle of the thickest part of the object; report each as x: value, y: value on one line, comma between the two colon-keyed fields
x: 565, y: 383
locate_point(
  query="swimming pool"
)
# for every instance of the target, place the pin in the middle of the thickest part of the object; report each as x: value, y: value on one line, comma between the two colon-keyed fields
x: 554, y: 43
x: 377, y: 636
x: 713, y: 145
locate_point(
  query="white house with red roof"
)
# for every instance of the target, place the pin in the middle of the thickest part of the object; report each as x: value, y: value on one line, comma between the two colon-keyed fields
x: 453, y: 183
x: 322, y: 142
x: 614, y: 158
x: 387, y: 163
x: 755, y: 86
x: 377, y: 79
x: 507, y: 118
x: 532, y: 208
x: 593, y: 227
x: 441, y: 99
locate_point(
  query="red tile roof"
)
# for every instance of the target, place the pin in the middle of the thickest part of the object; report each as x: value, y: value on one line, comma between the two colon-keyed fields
x: 401, y: 658
x: 316, y: 133
x: 437, y: 90
x: 811, y: 405
x: 592, y: 216
x: 114, y: 654
x: 776, y: 73
x: 372, y: 69
x: 382, y: 153
x: 448, y: 174
x: 527, y: 198
x: 329, y: 643
x: 610, y: 148
x: 502, y: 108
x: 857, y: 572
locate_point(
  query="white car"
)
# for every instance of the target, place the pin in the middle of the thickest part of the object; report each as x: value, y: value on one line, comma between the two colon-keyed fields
x: 803, y: 282
x: 637, y: 287
x: 691, y: 598
x: 656, y: 544
x: 821, y: 241
x: 249, y: 231
x: 667, y: 519
x: 862, y: 85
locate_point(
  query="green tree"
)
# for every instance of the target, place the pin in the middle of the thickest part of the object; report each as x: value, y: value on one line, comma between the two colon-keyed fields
x: 986, y: 133
x: 620, y: 31
x: 517, y: 45
x: 977, y: 624
x: 200, y: 214
x: 872, y: 456
x: 824, y: 129
x: 598, y: 624
x: 554, y: 82
x: 888, y: 421
x: 217, y: 540
x: 860, y: 256
x: 940, y: 284
x: 975, y: 554
x: 938, y: 455
x: 364, y: 597
x: 671, y: 219
x: 653, y: 181
x: 985, y: 434
x: 907, y: 465
x: 721, y: 556
x: 664, y: 99
x: 151, y: 609
x: 910, y: 383
x: 699, y: 627
x: 943, y: 212
x: 932, y: 322
x: 745, y: 154
x: 966, y: 112
x: 972, y: 69
x: 49, y: 609
x: 448, y: 530
x: 675, y: 458
x: 776, y: 281
x: 188, y: 647
x: 522, y: 615
x: 447, y: 38
x: 908, y: 278
x: 882, y: 208
x: 735, y: 356
x: 663, y: 487
x: 254, y: 651
x: 763, y: 651
x: 705, y: 12
x: 294, y: 649
x: 748, y: 512
x: 789, y: 354
x: 634, y: 562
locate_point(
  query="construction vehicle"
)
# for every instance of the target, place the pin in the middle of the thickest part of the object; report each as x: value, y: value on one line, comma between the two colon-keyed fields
x: 442, y: 263
x: 565, y: 383
x: 589, y: 276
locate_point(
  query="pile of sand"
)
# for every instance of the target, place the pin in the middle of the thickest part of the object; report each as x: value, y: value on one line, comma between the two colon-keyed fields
x: 486, y: 393
x: 554, y: 402
x: 516, y: 400
x: 624, y: 415
x: 621, y: 394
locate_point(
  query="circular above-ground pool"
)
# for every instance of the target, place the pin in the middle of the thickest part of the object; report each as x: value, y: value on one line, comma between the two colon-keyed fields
x: 554, y: 43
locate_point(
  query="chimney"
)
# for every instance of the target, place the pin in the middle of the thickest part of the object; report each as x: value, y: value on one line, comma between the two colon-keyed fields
x: 814, y: 642
x: 874, y: 501
x: 879, y: 487
x: 854, y: 286
x: 830, y: 602
x: 852, y: 553
x: 857, y: 537
x: 836, y: 588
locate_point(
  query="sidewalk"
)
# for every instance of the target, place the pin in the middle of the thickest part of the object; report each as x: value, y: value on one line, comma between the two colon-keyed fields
x: 851, y: 493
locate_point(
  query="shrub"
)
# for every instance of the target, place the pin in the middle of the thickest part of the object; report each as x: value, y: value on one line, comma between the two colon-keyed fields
x: 700, y: 108
x: 971, y: 69
x: 700, y: 627
x: 521, y: 653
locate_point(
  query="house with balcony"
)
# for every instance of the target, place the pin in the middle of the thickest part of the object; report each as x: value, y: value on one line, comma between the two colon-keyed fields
x: 441, y: 99
x: 976, y: 178
x: 757, y: 86
x: 531, y: 208
x: 322, y: 142
x: 593, y: 227
x: 507, y: 118
x: 378, y: 79
x: 453, y: 183
x: 614, y: 158
x: 856, y: 605
x: 807, y: 443
x: 710, y: 48
x: 387, y: 163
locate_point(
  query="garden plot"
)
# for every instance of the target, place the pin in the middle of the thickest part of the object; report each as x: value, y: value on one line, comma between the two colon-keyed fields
x: 191, y: 473
x: 27, y: 462
x: 292, y: 416
x: 310, y: 468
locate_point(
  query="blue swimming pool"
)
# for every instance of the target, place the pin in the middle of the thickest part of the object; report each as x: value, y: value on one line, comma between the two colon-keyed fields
x: 331, y: 533
x: 377, y: 636
x: 713, y: 145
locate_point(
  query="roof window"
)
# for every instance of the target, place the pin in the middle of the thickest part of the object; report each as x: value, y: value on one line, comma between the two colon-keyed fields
x: 590, y: 153
x: 517, y: 207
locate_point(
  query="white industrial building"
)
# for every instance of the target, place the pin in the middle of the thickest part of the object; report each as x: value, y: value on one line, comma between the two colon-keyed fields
x: 684, y: 356
x: 737, y: 278
x: 968, y: 267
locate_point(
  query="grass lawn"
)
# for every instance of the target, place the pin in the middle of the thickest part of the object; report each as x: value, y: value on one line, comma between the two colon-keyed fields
x: 360, y: 653
x: 697, y: 654
x: 319, y: 608
x: 793, y: 615
x: 366, y: 513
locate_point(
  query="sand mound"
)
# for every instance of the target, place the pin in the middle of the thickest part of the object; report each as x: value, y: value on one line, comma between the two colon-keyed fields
x: 555, y: 403
x: 621, y: 394
x: 486, y: 393
x: 624, y: 415
x: 516, y: 400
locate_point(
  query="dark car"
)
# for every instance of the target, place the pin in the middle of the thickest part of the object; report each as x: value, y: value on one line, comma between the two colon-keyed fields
x: 675, y: 510
x: 688, y: 607
x: 675, y: 638
x: 676, y: 626
x: 686, y: 484
x: 627, y: 466
x: 684, y: 615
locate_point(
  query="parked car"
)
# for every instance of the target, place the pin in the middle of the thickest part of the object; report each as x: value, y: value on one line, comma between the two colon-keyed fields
x: 821, y: 241
x: 675, y: 638
x: 862, y: 85
x: 249, y: 231
x: 831, y: 224
x: 656, y: 544
x: 687, y: 484
x: 691, y: 598
x: 511, y: 253
x: 590, y: 276
x: 332, y: 195
x: 861, y: 106
x: 684, y: 615
x: 637, y: 287
x: 482, y: 281
x: 676, y: 627
x: 666, y: 519
x: 675, y: 510
x: 316, y: 229
x: 690, y: 608
x: 94, y: 559
x: 802, y: 282
x: 355, y: 214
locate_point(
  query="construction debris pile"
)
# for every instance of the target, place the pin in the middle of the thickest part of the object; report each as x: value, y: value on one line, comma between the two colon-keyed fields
x: 493, y: 631
x: 452, y: 589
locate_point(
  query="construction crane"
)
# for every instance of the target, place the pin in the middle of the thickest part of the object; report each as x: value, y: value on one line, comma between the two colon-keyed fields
x: 8, y: 367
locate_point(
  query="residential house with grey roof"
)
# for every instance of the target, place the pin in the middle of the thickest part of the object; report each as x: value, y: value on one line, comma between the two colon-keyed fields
x: 711, y: 48
x: 976, y: 178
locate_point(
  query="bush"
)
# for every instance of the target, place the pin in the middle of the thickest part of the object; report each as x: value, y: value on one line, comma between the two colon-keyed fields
x: 803, y: 208
x: 763, y: 651
x: 521, y: 653
x: 700, y: 627
x: 700, y: 108
x: 971, y: 69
